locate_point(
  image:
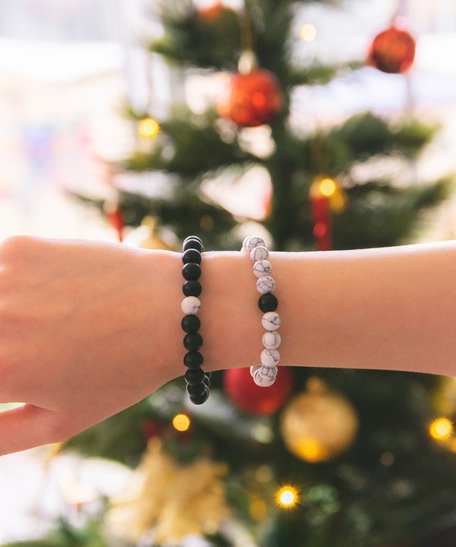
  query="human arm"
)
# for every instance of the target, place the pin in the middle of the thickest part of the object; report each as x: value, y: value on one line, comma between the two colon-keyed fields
x: 87, y: 329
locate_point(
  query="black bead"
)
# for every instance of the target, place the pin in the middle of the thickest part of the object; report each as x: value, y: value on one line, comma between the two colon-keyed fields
x: 191, y: 288
x: 196, y: 391
x: 193, y: 237
x: 193, y: 360
x: 190, y: 323
x: 200, y: 400
x: 267, y: 302
x: 207, y: 380
x: 195, y: 377
x: 193, y: 342
x: 191, y: 272
x: 193, y: 244
x: 191, y: 255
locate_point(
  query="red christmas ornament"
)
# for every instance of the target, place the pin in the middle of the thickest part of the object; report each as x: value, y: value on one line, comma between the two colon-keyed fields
x: 248, y: 397
x: 392, y: 51
x: 115, y: 219
x: 251, y: 99
x: 213, y: 11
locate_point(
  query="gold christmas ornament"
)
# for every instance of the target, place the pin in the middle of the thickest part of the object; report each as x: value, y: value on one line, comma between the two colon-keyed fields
x: 148, y: 236
x: 172, y: 500
x: 318, y: 425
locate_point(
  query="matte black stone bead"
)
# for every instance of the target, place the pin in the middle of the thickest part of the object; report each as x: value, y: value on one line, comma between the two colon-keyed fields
x: 193, y: 360
x: 196, y: 391
x: 190, y: 323
x: 193, y: 342
x: 208, y: 374
x: 191, y: 272
x: 200, y: 400
x: 268, y: 302
x: 191, y: 256
x: 191, y: 288
x: 195, y: 377
x: 193, y: 244
x: 193, y: 237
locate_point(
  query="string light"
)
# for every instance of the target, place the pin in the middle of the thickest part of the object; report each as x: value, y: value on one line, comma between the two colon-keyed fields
x: 441, y: 429
x: 287, y: 496
x: 328, y: 187
x: 181, y: 422
x: 308, y: 32
x: 149, y: 128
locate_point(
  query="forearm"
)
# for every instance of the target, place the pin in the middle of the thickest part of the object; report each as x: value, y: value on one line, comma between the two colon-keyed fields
x: 375, y: 309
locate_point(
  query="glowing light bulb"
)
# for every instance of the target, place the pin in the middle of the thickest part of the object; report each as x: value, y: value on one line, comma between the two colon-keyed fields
x: 181, y: 422
x: 328, y: 187
x: 308, y: 32
x: 441, y: 429
x: 287, y: 496
x: 148, y: 128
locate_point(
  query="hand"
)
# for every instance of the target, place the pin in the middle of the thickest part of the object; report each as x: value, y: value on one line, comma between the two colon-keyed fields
x: 86, y: 330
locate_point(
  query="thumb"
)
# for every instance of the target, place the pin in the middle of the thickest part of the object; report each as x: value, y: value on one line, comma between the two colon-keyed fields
x: 28, y: 426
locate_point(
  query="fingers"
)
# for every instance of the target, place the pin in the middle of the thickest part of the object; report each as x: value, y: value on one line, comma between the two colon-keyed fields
x: 28, y: 426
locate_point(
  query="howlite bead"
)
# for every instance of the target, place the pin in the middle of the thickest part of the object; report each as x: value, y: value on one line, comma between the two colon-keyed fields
x: 202, y: 399
x: 191, y: 288
x: 271, y: 320
x: 191, y: 256
x: 193, y: 360
x: 190, y: 323
x: 193, y: 342
x: 191, y: 271
x: 268, y: 302
x: 190, y: 305
x: 193, y: 244
x: 196, y: 391
x: 195, y: 377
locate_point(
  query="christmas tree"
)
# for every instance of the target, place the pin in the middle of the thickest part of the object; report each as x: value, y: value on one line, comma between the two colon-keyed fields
x: 328, y: 458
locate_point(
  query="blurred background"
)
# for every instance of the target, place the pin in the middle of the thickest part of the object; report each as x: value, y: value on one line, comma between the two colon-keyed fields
x: 318, y: 125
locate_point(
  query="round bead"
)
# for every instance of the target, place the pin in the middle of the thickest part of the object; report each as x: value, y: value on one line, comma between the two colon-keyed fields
x: 262, y: 267
x: 191, y: 256
x: 271, y: 340
x: 271, y: 320
x: 270, y: 357
x: 193, y: 360
x: 192, y: 243
x: 269, y: 373
x: 259, y: 253
x: 252, y: 242
x: 193, y: 341
x: 193, y: 237
x: 202, y: 399
x: 191, y: 271
x: 265, y: 284
x: 196, y: 391
x: 268, y: 302
x: 254, y: 369
x: 190, y: 323
x: 191, y: 288
x: 262, y: 381
x: 194, y: 377
x: 191, y: 305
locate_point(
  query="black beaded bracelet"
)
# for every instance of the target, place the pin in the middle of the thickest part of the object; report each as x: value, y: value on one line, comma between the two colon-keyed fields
x: 197, y: 381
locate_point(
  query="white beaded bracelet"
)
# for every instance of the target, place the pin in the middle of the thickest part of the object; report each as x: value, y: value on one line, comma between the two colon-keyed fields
x: 264, y: 375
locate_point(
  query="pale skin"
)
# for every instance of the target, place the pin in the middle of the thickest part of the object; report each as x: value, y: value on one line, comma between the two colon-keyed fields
x: 88, y: 329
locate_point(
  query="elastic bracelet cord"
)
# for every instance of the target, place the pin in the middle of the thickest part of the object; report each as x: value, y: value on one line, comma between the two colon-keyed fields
x: 264, y: 375
x: 197, y: 381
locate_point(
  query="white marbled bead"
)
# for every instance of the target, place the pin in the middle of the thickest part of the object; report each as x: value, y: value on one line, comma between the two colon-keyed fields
x: 262, y: 268
x: 254, y: 369
x: 252, y: 242
x: 271, y: 320
x: 270, y: 357
x: 271, y: 340
x: 263, y: 380
x: 265, y: 284
x: 191, y: 305
x: 259, y: 253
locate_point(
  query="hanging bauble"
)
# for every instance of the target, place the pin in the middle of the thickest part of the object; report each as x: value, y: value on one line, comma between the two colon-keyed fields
x: 252, y: 399
x: 148, y: 236
x: 318, y: 425
x: 115, y: 218
x: 213, y: 11
x: 251, y: 99
x: 392, y: 51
